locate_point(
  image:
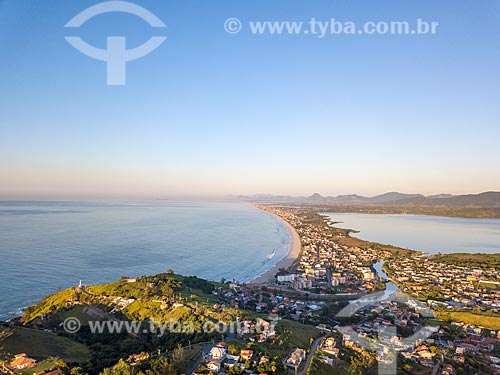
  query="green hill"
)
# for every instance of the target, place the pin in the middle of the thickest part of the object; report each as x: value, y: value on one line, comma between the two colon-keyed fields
x: 39, y: 345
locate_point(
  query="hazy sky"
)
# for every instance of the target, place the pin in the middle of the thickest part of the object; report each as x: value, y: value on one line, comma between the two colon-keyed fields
x: 213, y: 113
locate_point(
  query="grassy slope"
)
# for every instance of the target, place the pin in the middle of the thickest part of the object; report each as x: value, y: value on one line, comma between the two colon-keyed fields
x: 48, y: 304
x: 141, y: 308
x: 39, y: 344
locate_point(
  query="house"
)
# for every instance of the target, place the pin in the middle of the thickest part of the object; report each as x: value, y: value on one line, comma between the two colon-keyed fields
x: 264, y: 359
x: 217, y: 354
x: 488, y: 344
x: 213, y: 366
x: 296, y: 358
x: 367, y: 274
x: 262, y: 325
x: 329, y: 346
x: 136, y: 358
x: 286, y: 278
x: 22, y: 362
x: 246, y: 354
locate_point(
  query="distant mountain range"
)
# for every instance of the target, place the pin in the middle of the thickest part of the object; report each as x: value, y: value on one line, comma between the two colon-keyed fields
x: 487, y: 199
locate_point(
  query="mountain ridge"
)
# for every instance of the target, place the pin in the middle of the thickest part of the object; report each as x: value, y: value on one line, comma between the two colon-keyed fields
x: 485, y: 199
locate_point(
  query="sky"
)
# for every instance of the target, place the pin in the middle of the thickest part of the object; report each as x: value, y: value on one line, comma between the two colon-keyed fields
x: 210, y: 113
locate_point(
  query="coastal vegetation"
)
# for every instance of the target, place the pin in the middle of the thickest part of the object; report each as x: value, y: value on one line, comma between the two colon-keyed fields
x: 466, y: 212
x: 469, y: 260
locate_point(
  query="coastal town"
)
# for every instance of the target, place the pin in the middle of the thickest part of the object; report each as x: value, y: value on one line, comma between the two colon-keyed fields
x: 326, y: 266
x: 447, y: 286
x: 314, y: 316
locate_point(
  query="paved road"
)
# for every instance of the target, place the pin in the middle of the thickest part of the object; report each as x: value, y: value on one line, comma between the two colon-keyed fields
x: 313, y: 296
x: 205, y: 349
x: 314, y: 347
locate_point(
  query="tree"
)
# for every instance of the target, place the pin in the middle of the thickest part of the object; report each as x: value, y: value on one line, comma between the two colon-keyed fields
x: 234, y: 370
x: 58, y: 362
x: 179, y: 357
x: 76, y: 371
x: 232, y: 349
x: 248, y: 364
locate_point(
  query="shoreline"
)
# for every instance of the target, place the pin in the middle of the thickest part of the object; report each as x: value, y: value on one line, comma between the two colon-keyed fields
x: 294, y: 252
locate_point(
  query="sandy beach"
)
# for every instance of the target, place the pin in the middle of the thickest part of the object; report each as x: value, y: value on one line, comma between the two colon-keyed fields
x: 294, y: 251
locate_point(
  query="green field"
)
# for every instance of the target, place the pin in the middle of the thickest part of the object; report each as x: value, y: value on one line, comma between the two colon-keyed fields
x: 490, y: 322
x: 40, y: 345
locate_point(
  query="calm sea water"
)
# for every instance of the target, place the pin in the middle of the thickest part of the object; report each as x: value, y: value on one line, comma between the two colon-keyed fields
x: 49, y: 245
x: 426, y: 233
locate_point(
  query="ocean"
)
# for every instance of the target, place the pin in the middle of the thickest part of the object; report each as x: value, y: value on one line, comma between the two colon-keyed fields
x: 45, y: 246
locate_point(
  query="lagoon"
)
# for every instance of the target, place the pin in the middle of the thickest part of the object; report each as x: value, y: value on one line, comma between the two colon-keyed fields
x: 430, y: 234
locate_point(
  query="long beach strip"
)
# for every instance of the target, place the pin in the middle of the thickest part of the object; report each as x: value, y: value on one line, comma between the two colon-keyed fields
x: 294, y: 252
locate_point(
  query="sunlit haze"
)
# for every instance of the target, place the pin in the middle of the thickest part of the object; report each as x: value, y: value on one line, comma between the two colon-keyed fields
x: 212, y: 114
